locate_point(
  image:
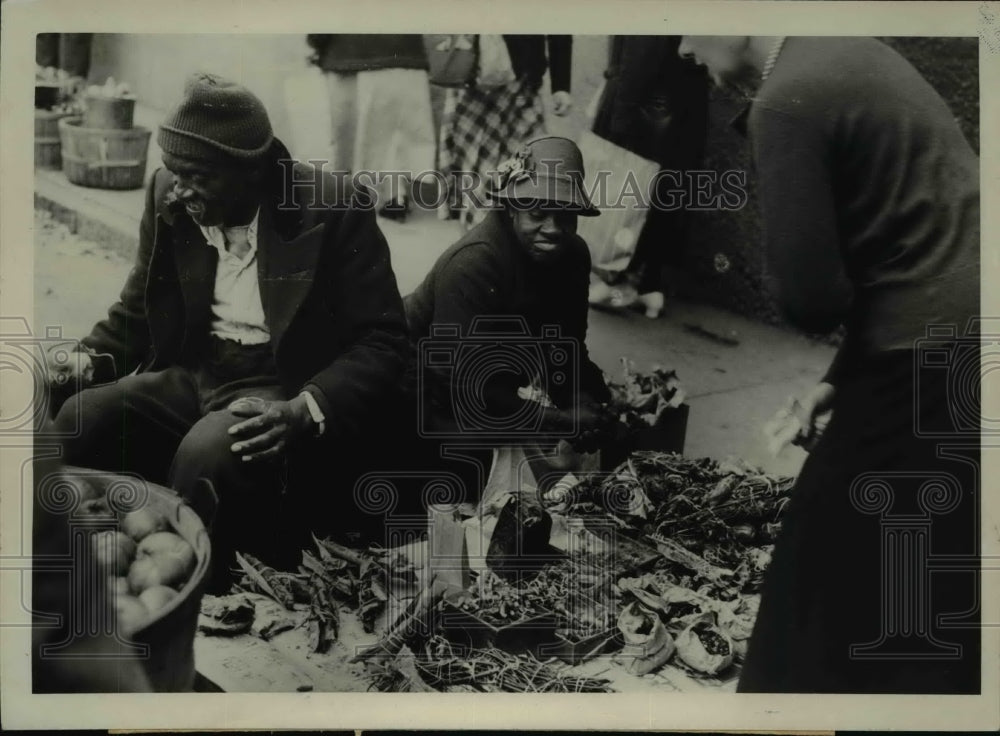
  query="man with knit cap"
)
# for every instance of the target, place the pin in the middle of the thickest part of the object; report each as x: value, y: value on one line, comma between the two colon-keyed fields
x: 257, y: 341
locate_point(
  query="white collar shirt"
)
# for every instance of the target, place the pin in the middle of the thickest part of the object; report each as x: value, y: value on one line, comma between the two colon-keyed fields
x: 237, y: 312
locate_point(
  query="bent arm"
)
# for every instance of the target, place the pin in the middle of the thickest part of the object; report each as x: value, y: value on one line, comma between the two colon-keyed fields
x: 370, y: 311
x: 591, y: 386
x: 470, y: 286
x: 802, y: 245
x: 124, y: 333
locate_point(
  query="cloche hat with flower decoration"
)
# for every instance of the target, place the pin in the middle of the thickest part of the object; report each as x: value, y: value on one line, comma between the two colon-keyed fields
x: 547, y: 170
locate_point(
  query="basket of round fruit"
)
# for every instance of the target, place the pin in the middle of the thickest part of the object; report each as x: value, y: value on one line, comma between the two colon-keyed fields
x: 153, y: 553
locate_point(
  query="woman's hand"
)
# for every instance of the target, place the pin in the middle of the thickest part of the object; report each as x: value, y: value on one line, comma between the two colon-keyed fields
x: 594, y: 423
x: 561, y: 103
x: 815, y: 412
x: 802, y: 422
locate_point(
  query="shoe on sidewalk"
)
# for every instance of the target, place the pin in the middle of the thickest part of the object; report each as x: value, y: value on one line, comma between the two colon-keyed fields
x: 653, y: 302
x: 619, y: 296
x: 599, y: 293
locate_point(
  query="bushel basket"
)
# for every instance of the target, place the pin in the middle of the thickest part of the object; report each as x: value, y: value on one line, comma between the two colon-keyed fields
x: 101, y: 157
x: 47, y: 143
x: 169, y: 634
x: 108, y: 112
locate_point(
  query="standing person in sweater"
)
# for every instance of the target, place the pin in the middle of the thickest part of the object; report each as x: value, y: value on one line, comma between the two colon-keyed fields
x: 381, y: 106
x: 870, y: 201
x: 482, y: 127
x: 523, y: 265
x: 654, y: 104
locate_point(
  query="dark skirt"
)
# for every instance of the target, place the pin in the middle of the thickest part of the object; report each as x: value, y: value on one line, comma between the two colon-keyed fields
x: 673, y: 133
x: 874, y: 586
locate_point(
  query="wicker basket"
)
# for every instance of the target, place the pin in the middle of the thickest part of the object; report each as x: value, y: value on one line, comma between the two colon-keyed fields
x: 169, y: 636
x: 47, y: 142
x: 101, y: 157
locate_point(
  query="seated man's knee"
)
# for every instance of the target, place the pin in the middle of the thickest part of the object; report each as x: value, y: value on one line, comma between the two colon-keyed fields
x: 205, y: 450
x: 66, y: 422
x: 85, y: 423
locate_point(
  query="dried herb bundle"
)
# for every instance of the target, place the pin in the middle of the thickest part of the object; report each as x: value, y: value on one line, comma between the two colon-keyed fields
x: 363, y: 580
x: 641, y: 398
x: 696, y: 502
x: 499, y: 602
x: 576, y: 590
x: 331, y: 575
x: 283, y: 587
x: 493, y: 670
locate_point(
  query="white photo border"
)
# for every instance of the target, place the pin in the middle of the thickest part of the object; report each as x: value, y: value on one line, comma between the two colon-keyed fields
x: 22, y: 709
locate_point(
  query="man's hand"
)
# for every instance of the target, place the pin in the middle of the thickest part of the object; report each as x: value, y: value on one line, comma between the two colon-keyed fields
x: 68, y: 368
x: 561, y: 103
x: 271, y: 426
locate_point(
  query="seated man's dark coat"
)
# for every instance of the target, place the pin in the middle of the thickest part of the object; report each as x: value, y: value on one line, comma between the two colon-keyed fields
x: 327, y: 288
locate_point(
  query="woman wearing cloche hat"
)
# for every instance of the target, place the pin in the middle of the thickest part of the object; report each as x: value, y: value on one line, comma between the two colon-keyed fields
x: 524, y: 264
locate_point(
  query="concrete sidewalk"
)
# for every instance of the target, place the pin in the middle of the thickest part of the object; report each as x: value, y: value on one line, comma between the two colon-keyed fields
x: 732, y: 388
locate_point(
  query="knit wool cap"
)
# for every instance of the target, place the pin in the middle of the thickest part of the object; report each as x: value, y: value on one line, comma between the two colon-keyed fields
x: 217, y: 120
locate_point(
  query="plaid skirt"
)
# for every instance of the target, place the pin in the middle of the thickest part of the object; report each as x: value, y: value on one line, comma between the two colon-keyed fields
x: 480, y: 129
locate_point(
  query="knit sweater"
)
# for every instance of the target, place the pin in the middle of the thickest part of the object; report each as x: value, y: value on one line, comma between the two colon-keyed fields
x: 869, y: 195
x: 486, y: 274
